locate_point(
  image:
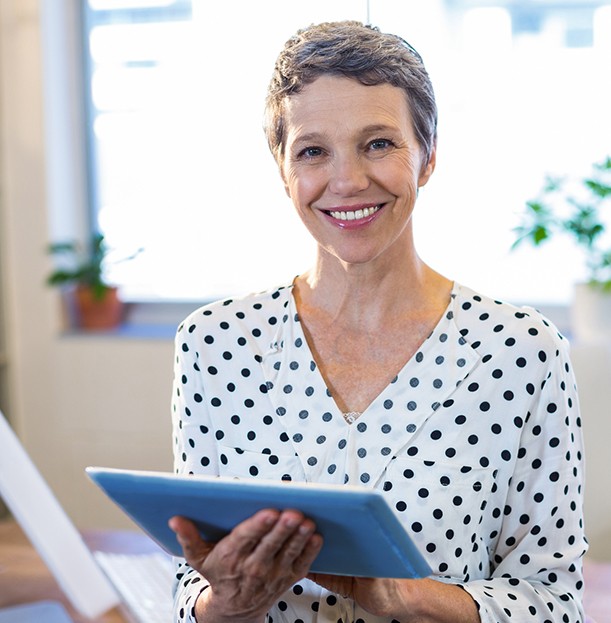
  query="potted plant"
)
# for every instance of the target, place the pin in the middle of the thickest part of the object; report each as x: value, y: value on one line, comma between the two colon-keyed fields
x: 94, y: 303
x: 576, y: 210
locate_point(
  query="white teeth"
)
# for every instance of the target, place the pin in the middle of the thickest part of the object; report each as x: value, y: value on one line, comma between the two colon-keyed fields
x: 357, y: 214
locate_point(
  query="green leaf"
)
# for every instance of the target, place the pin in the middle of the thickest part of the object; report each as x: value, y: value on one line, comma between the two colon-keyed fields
x: 539, y: 234
x: 598, y: 188
x: 62, y: 247
x: 605, y: 165
x: 60, y: 277
x: 552, y: 184
x: 537, y: 207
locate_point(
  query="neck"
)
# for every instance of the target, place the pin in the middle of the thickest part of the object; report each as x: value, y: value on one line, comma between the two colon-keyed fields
x: 367, y: 295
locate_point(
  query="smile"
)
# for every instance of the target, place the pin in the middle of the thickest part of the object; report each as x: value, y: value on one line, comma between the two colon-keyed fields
x: 354, y: 215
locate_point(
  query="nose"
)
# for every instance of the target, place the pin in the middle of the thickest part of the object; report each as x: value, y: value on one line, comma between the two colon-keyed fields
x: 348, y: 175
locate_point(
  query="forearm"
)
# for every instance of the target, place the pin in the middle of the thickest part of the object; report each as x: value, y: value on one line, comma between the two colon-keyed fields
x: 430, y: 601
x: 408, y: 601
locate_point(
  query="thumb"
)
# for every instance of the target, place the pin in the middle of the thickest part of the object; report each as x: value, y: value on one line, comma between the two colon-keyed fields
x: 195, y: 549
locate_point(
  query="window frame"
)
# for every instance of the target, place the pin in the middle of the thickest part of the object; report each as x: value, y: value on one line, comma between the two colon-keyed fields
x: 90, y: 18
x: 157, y: 314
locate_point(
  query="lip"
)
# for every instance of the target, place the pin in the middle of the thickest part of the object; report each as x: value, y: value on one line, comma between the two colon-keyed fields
x: 356, y: 222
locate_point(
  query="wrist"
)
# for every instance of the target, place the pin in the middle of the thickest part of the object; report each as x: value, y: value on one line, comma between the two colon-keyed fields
x: 209, y: 609
x: 439, y: 602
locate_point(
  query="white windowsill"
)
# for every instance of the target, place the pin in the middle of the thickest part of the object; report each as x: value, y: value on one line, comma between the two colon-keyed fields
x: 159, y: 320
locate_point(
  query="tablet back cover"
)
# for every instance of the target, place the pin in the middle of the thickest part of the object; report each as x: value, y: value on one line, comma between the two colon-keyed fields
x: 362, y: 536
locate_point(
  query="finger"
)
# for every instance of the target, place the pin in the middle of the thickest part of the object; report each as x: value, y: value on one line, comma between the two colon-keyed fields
x: 291, y: 546
x: 287, y: 537
x: 303, y: 562
x: 296, y: 542
x: 194, y: 548
x: 247, y: 535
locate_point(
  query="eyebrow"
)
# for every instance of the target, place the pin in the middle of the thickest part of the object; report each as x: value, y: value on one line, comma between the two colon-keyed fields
x: 379, y: 127
x: 369, y: 129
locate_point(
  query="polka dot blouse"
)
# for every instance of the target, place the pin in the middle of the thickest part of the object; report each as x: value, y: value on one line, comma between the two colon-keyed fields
x: 476, y: 445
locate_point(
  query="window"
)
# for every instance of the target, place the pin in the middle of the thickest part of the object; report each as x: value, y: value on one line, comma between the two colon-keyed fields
x: 179, y: 165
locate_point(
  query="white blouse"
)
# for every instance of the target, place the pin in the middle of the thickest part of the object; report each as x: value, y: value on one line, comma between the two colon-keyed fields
x: 476, y: 445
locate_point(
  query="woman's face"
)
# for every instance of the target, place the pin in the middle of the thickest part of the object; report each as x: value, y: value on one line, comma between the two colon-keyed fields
x: 352, y: 167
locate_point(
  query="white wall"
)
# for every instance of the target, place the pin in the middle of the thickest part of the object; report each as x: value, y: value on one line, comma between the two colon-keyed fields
x: 80, y: 400
x: 74, y: 400
x: 592, y: 364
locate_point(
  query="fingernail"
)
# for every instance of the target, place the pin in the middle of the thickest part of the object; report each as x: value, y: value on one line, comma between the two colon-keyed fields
x: 290, y: 521
x: 270, y: 520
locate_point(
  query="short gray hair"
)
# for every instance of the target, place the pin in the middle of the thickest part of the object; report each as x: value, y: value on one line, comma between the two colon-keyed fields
x: 357, y: 51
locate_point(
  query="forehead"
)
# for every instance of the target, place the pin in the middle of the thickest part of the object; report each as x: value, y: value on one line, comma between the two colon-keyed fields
x: 333, y: 103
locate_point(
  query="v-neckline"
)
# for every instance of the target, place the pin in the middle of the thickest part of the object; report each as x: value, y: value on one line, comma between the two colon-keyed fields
x: 327, y: 446
x: 441, y: 326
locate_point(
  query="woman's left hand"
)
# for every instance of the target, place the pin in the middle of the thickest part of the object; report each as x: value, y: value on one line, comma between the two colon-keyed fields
x: 376, y: 595
x: 404, y: 600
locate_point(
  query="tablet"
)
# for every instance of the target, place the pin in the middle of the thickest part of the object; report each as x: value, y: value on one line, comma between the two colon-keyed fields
x: 362, y: 536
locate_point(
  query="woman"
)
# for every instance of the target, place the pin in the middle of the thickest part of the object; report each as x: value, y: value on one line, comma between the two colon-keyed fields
x: 373, y: 369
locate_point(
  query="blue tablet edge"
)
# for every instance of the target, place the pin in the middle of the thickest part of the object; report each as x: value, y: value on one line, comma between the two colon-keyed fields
x: 383, y: 548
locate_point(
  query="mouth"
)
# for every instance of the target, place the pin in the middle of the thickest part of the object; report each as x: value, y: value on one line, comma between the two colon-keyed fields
x: 354, y: 215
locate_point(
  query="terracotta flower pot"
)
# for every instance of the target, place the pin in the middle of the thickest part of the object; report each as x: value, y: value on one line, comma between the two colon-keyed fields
x: 94, y: 313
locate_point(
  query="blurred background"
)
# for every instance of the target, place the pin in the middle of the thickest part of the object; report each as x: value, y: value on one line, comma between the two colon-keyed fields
x: 142, y: 120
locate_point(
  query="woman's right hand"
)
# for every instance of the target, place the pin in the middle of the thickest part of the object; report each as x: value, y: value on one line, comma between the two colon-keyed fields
x: 252, y: 566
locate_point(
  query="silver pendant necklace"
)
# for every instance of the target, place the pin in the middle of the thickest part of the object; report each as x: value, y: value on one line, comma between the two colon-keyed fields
x: 351, y: 416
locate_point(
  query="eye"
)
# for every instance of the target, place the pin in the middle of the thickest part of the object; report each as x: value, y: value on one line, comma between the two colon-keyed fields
x: 309, y: 153
x: 379, y: 144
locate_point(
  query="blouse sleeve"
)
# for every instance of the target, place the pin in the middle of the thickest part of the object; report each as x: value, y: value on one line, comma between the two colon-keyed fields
x: 193, y: 453
x: 537, y: 560
x: 194, y: 446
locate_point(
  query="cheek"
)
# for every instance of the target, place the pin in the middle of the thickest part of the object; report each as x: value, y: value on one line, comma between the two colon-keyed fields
x: 412, y: 172
x: 398, y: 176
x: 290, y: 184
x: 411, y: 163
x: 302, y: 186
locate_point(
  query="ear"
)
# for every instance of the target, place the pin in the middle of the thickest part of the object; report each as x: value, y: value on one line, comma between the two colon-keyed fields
x: 428, y: 169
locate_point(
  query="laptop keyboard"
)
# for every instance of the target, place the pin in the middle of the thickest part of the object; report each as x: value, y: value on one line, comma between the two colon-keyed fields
x: 144, y: 583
